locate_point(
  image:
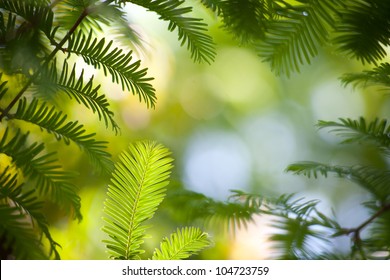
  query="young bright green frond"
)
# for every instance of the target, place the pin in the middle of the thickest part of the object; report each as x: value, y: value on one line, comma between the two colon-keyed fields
x: 42, y: 169
x: 191, y: 31
x: 28, y: 206
x: 376, y: 131
x: 182, y: 244
x: 364, y: 29
x: 55, y: 122
x: 137, y: 188
x: 116, y: 63
x: 379, y: 76
x: 84, y: 93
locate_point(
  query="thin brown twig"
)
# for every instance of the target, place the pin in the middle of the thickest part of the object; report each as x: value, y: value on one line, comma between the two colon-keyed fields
x: 377, y: 214
x: 356, y: 232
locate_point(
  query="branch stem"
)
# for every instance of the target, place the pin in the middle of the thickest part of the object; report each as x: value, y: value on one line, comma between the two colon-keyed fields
x: 4, y: 112
x: 356, y: 231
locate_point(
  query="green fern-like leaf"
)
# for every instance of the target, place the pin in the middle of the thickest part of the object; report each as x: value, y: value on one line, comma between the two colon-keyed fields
x: 47, y: 117
x: 364, y: 30
x: 84, y: 93
x: 376, y: 131
x: 379, y: 76
x: 191, y: 30
x: 295, y: 37
x: 214, y: 5
x: 113, y: 61
x: 247, y: 19
x: 137, y: 188
x: 182, y: 244
x: 50, y: 180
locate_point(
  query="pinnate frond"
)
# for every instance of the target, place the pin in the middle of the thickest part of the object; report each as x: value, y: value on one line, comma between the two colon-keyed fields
x: 191, y: 31
x: 115, y: 62
x: 379, y: 76
x: 55, y: 122
x: 137, y: 188
x: 376, y: 131
x: 246, y: 19
x: 295, y: 37
x: 182, y: 244
x: 74, y: 86
x: 364, y: 30
x: 43, y: 169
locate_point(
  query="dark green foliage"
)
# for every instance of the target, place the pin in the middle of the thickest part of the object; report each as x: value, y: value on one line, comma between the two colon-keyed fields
x: 379, y: 76
x: 34, y: 75
x: 286, y: 35
x: 138, y: 187
x: 289, y: 34
x: 42, y: 170
x: 364, y: 29
x: 55, y: 123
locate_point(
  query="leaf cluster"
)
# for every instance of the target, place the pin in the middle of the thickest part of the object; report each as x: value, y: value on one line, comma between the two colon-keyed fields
x: 40, y: 40
x: 289, y: 34
x: 137, y: 189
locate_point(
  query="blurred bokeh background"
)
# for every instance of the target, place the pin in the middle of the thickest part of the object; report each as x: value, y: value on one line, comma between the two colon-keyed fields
x: 230, y: 125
